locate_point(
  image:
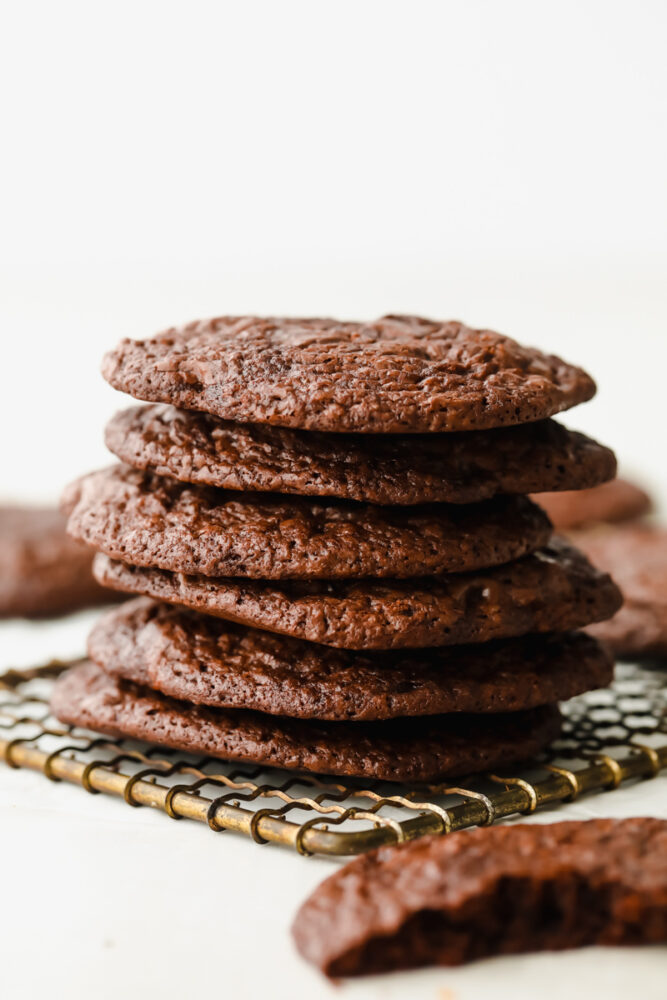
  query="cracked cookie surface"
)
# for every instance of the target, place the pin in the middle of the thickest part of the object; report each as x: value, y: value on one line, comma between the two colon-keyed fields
x: 208, y: 661
x: 398, y: 469
x: 147, y: 520
x: 397, y: 750
x: 399, y: 374
x: 554, y: 589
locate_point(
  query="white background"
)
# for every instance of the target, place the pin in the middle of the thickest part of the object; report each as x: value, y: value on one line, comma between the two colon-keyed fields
x: 502, y: 163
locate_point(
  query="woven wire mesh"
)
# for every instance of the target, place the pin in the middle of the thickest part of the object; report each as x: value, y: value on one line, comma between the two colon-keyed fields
x: 609, y: 736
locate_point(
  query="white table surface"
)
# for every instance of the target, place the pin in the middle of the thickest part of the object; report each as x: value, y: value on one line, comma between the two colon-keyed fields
x: 99, y: 900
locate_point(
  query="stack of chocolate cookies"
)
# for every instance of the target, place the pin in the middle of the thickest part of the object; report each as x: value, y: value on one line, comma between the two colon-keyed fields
x: 340, y: 569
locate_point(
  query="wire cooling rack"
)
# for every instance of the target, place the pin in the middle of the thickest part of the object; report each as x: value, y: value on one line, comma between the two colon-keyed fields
x: 610, y: 736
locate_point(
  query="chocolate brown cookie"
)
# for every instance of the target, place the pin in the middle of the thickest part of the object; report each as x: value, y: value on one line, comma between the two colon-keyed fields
x: 43, y: 572
x: 553, y: 590
x: 610, y: 502
x: 637, y: 556
x: 210, y: 662
x: 491, y: 891
x: 399, y: 374
x: 147, y: 520
x: 399, y: 750
x: 383, y: 469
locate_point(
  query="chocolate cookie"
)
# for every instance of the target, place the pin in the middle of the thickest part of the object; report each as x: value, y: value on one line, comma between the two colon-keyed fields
x: 637, y: 556
x: 211, y: 662
x: 490, y: 891
x: 399, y: 750
x: 43, y: 572
x: 146, y: 520
x: 610, y: 502
x: 399, y: 374
x: 553, y: 590
x: 383, y: 469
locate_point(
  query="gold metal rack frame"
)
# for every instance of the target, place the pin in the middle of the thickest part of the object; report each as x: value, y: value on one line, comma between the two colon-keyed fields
x: 610, y: 736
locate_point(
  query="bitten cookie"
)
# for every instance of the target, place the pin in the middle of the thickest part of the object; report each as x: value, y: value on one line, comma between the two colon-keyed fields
x: 211, y: 662
x: 43, y: 572
x: 490, y: 891
x: 399, y: 374
x: 146, y: 520
x: 383, y: 469
x: 554, y: 589
x: 399, y: 750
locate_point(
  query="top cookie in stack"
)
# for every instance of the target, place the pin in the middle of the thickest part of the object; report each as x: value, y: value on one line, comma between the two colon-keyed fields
x: 400, y: 375
x: 322, y: 497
